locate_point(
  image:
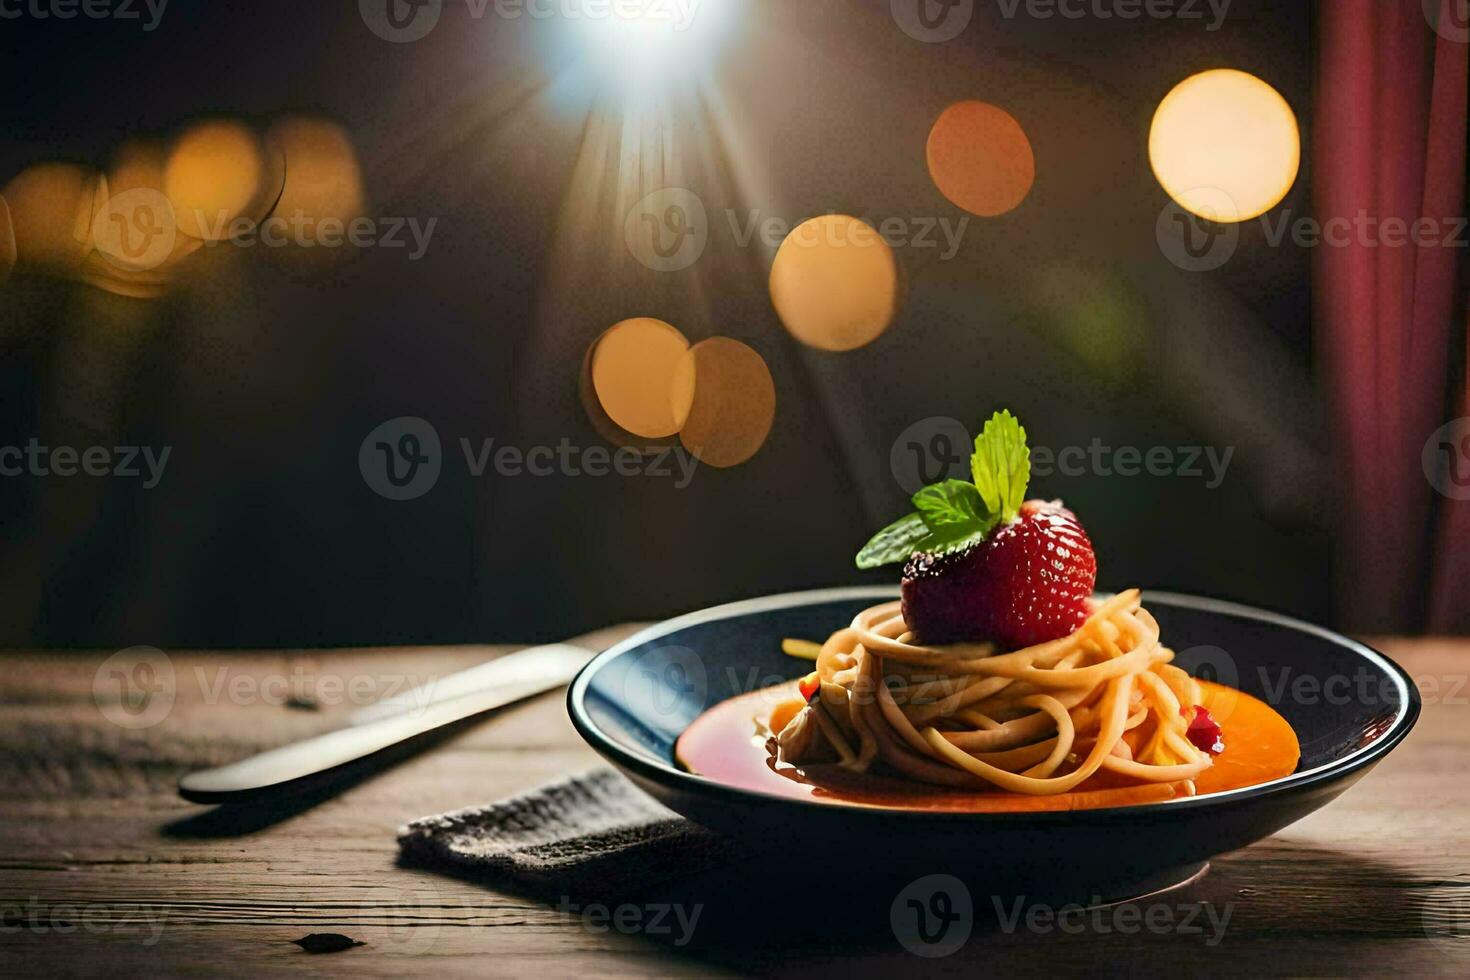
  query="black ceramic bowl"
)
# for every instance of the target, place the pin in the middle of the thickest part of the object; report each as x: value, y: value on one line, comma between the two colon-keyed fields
x: 1348, y: 704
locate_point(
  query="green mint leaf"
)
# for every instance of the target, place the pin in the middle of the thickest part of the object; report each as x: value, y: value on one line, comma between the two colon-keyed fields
x: 1002, y: 465
x: 910, y: 536
x: 951, y: 502
x: 953, y: 515
x: 895, y: 543
x: 953, y: 537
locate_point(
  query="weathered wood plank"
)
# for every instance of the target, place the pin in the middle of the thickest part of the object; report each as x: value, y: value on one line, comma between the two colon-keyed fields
x: 102, y: 866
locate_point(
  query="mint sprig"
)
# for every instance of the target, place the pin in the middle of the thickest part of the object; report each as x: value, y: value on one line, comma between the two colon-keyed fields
x: 951, y: 502
x: 1001, y: 465
x: 953, y: 514
x: 911, y: 536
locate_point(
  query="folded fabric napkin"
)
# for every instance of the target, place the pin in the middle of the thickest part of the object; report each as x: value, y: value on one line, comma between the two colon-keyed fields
x: 593, y: 833
x: 596, y: 838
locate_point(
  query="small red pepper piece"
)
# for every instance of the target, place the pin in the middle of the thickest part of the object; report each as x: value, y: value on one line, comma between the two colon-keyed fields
x: 809, y: 686
x: 1204, y: 732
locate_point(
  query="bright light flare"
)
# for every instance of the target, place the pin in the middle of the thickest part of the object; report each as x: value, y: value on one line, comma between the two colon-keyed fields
x: 638, y: 44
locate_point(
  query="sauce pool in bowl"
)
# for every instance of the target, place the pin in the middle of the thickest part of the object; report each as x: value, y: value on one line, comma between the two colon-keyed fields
x: 728, y: 745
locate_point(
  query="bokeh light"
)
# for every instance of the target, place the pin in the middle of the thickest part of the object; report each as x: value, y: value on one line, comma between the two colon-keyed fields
x: 7, y: 242
x: 731, y: 398
x: 323, y: 181
x: 216, y: 172
x: 980, y: 158
x: 134, y: 231
x: 51, y: 208
x: 834, y: 283
x: 1093, y: 312
x: 1225, y: 145
x: 633, y: 366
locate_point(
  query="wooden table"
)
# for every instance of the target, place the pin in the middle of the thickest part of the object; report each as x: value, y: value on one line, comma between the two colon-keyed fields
x: 103, y: 869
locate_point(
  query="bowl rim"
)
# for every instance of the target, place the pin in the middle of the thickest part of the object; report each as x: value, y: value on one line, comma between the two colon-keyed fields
x: 668, y: 773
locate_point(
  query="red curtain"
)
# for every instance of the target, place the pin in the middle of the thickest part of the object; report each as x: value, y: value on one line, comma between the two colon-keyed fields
x: 1390, y: 143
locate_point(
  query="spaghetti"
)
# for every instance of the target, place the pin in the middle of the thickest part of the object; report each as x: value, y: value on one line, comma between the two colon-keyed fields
x: 1038, y: 721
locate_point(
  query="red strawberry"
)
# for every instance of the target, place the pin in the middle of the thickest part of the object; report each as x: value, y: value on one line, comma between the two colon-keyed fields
x: 1023, y: 585
x: 939, y: 596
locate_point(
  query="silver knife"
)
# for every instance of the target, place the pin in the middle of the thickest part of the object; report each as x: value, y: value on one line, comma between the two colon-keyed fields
x: 527, y: 666
x: 380, y: 726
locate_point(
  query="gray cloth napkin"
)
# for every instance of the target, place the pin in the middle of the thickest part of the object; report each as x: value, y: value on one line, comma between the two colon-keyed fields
x: 596, y: 832
x: 597, y: 838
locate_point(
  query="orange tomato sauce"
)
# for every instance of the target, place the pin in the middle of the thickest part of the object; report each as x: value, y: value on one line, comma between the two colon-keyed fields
x: 728, y: 744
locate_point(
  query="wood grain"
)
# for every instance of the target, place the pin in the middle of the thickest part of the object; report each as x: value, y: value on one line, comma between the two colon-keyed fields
x: 103, y: 869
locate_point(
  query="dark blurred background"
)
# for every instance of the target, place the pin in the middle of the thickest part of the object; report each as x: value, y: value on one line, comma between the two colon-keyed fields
x: 264, y: 378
